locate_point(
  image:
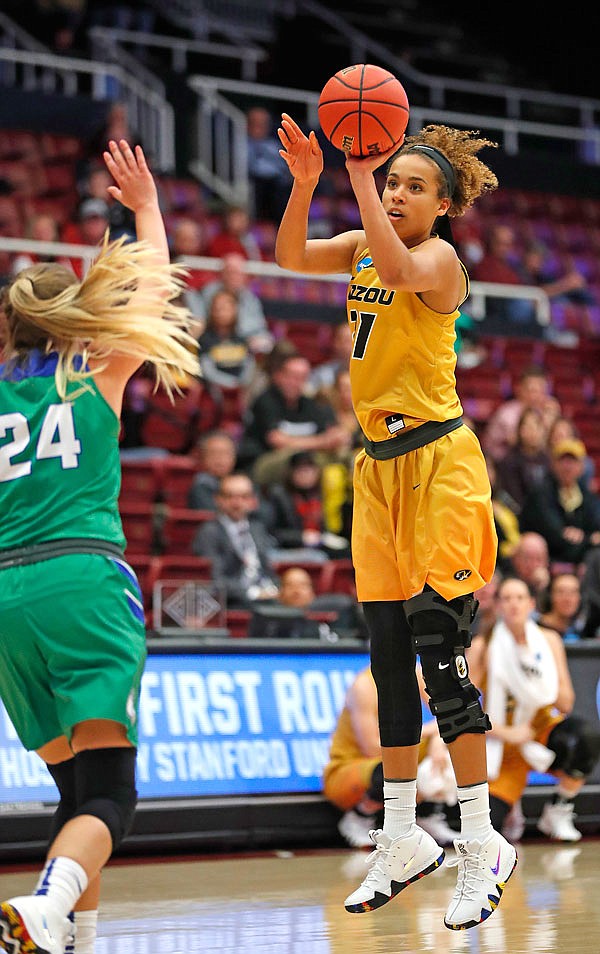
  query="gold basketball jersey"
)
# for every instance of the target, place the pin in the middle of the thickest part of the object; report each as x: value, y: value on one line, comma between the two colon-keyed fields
x: 403, y: 358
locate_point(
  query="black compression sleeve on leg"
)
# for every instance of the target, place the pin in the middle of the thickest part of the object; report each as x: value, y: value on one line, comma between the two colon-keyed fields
x: 105, y: 780
x: 393, y: 667
x: 63, y: 774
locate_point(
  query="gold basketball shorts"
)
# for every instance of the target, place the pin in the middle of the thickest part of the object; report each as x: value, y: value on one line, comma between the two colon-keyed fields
x: 424, y: 517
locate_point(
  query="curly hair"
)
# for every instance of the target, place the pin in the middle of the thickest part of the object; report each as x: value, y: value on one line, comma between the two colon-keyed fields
x: 460, y: 147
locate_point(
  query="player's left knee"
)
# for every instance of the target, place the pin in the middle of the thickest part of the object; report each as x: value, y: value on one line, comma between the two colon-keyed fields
x: 106, y: 788
x: 441, y: 634
x: 577, y: 746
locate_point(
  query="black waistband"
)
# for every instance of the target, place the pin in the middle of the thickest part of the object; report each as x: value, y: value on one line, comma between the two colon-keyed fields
x: 407, y: 441
x: 48, y: 549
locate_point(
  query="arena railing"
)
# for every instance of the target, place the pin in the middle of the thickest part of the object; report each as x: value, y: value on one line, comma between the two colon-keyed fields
x: 117, y: 42
x: 221, y: 137
x: 148, y: 110
x: 263, y: 273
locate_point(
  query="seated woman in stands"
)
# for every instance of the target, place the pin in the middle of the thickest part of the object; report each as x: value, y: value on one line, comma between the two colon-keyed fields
x: 521, y: 668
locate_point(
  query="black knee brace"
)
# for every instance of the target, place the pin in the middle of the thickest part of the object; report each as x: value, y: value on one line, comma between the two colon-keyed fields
x: 105, y: 785
x: 440, y: 631
x: 63, y: 774
x: 577, y: 747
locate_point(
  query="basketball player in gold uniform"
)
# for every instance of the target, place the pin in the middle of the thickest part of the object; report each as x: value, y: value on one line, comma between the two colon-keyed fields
x: 423, y: 534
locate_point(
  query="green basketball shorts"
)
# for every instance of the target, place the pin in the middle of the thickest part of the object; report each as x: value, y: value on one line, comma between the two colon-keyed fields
x: 72, y: 644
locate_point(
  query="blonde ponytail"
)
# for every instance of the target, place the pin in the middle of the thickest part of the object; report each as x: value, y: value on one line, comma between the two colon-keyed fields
x: 126, y: 303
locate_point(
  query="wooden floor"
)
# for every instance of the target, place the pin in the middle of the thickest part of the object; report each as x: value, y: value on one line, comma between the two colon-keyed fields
x: 292, y: 903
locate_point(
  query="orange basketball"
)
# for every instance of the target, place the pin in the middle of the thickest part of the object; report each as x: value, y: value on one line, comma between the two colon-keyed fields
x: 363, y: 110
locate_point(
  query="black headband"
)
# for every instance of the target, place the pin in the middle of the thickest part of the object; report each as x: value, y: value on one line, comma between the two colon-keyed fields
x: 441, y: 162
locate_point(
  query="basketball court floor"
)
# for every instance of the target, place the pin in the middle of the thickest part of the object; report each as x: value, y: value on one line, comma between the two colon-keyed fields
x: 292, y: 903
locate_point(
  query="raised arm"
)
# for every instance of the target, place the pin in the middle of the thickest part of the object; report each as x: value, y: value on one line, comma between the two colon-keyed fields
x: 136, y: 190
x: 293, y: 249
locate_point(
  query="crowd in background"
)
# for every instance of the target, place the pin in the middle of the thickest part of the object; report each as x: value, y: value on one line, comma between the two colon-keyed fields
x: 289, y: 415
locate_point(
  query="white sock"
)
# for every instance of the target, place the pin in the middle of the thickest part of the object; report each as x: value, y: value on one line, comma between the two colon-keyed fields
x: 86, y: 928
x: 62, y: 881
x: 400, y: 807
x: 474, y: 801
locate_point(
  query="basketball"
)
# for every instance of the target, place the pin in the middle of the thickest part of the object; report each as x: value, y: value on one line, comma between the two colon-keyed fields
x: 363, y: 110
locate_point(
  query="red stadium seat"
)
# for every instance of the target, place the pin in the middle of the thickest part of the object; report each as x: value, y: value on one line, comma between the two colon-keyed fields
x: 175, y: 474
x: 139, y: 481
x: 179, y: 527
x: 138, y: 521
x: 170, y: 566
x: 338, y: 577
x: 237, y: 621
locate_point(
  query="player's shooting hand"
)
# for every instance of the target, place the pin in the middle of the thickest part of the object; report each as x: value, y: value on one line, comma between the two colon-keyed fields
x: 357, y: 165
x: 302, y: 153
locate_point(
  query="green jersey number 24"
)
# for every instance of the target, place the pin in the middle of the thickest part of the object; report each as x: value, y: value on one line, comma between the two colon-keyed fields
x: 57, y: 439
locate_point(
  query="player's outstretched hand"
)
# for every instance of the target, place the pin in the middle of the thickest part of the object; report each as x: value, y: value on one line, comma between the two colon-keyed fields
x: 135, y: 186
x: 302, y: 153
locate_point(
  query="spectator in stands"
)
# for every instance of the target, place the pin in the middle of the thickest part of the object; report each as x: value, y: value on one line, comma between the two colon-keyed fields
x: 225, y: 358
x: 470, y: 351
x: 252, y: 324
x: 353, y: 776
x: 563, y: 614
x: 566, y: 514
x: 296, y: 611
x: 524, y: 676
x: 505, y: 518
x: 565, y: 285
x: 215, y: 453
x: 234, y: 235
x: 322, y: 376
x: 299, y: 513
x: 266, y: 364
x: 500, y: 265
x: 268, y: 174
x: 590, y: 595
x: 531, y: 390
x: 188, y: 238
x: 42, y: 228
x: 238, y: 544
x: 527, y: 462
x: 564, y: 429
x: 339, y: 469
x: 121, y: 220
x: 93, y: 221
x: 283, y: 420
x: 530, y: 561
x: 486, y: 615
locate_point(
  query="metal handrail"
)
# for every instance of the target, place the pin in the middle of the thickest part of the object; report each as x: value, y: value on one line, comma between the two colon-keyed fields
x: 479, y: 290
x: 248, y: 56
x: 149, y: 112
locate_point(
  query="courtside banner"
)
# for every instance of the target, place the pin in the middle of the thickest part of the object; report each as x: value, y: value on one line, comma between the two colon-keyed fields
x: 216, y: 725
